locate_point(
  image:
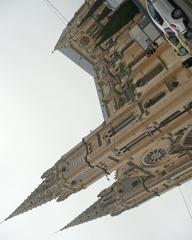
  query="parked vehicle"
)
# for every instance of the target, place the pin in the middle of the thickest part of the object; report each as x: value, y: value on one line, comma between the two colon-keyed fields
x: 186, y: 43
x: 165, y: 13
x: 180, y: 47
x: 177, y: 45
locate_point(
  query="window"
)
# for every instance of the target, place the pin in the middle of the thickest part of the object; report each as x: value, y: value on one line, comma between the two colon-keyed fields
x: 152, y: 101
x: 134, y: 184
x: 152, y: 74
x: 169, y: 31
x: 124, y: 123
x: 172, y: 85
x: 155, y: 15
x: 173, y: 39
x: 183, y: 51
x: 170, y: 118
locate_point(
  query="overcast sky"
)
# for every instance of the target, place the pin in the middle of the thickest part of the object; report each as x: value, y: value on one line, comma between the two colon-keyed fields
x: 47, y: 104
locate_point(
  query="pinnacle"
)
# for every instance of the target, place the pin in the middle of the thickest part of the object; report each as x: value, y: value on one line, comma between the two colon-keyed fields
x: 60, y: 230
x: 9, y: 217
x: 67, y: 226
x: 63, y: 228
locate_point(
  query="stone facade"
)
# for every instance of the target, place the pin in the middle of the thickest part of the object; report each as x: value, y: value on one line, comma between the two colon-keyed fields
x: 146, y: 136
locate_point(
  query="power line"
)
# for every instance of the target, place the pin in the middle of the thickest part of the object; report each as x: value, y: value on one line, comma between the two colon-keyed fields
x: 51, y: 4
x: 56, y: 11
x: 185, y: 202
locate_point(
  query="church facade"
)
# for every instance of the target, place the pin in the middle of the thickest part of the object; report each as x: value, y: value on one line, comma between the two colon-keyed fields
x: 146, y: 101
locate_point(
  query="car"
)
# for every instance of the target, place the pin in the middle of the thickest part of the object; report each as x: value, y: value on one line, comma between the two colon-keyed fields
x: 179, y: 47
x: 186, y: 43
x: 165, y: 13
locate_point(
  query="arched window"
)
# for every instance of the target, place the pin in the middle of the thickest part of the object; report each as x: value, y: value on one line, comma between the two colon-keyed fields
x: 152, y: 74
x: 152, y: 101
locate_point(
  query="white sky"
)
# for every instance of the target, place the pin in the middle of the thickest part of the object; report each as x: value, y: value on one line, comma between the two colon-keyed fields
x: 47, y: 104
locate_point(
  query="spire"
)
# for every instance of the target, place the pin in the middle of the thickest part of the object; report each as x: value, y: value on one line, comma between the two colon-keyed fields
x: 45, y: 192
x: 41, y: 195
x: 51, y: 188
x: 112, y: 200
x: 102, y: 207
x: 93, y: 212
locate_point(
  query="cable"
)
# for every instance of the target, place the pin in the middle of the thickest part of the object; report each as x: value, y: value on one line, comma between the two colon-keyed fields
x: 56, y: 11
x: 185, y: 201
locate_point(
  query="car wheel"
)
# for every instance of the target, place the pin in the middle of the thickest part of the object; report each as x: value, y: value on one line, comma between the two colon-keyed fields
x: 177, y: 13
x: 188, y: 35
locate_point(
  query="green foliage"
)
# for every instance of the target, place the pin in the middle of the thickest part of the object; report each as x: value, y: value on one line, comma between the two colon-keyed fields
x: 124, y: 14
